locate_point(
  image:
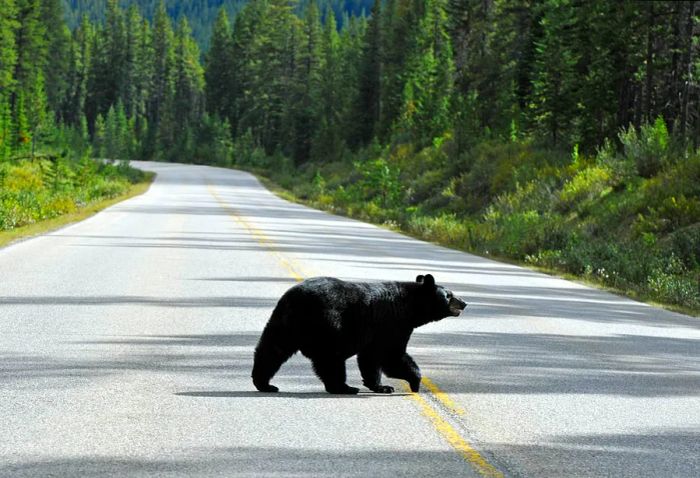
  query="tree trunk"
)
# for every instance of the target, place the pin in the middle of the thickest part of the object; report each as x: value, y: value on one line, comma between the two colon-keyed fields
x: 686, y: 78
x: 650, y: 63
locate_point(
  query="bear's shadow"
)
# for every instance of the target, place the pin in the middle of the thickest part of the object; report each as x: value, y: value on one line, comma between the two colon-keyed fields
x: 301, y: 395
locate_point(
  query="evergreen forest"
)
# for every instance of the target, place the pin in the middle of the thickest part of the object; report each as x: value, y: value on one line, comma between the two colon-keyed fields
x: 563, y: 134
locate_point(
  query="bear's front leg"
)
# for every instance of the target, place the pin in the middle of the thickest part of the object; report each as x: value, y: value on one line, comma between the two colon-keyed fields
x: 331, y: 371
x: 372, y: 373
x: 404, y: 368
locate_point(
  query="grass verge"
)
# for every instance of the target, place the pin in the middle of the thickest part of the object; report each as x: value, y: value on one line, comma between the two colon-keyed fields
x: 42, y: 227
x: 286, y: 194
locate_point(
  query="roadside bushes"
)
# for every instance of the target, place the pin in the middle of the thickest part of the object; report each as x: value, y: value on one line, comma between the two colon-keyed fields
x: 32, y: 191
x: 627, y: 217
x: 649, y: 148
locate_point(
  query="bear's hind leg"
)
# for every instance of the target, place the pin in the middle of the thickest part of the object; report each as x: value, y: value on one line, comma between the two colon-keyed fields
x: 270, y: 353
x: 404, y: 368
x: 372, y: 373
x: 331, y: 371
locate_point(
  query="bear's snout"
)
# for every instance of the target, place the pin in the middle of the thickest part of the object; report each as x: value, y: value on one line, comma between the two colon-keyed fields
x: 457, y: 305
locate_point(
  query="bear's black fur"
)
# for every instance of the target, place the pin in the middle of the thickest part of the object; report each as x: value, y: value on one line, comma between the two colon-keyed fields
x: 330, y: 320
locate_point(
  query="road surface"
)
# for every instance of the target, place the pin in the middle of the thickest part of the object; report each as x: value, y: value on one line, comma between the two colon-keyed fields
x: 126, y: 347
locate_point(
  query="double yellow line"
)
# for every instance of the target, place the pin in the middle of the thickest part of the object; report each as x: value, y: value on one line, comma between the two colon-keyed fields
x: 442, y: 426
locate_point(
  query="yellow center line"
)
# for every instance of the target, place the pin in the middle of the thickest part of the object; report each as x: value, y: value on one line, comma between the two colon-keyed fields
x: 447, y: 431
x: 442, y: 397
x: 258, y: 235
x: 465, y: 450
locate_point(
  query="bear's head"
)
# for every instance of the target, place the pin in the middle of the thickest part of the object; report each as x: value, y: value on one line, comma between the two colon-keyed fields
x: 441, y: 302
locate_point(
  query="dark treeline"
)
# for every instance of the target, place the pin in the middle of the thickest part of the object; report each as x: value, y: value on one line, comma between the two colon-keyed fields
x: 561, y: 71
x: 128, y: 87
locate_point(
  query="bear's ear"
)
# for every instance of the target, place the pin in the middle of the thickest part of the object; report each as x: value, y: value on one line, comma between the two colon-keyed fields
x: 419, y: 279
x: 429, y: 281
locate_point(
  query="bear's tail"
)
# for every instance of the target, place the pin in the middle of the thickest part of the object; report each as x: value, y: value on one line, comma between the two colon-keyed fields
x: 275, y: 346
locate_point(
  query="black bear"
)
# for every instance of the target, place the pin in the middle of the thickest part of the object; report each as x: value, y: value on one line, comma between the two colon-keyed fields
x: 330, y: 320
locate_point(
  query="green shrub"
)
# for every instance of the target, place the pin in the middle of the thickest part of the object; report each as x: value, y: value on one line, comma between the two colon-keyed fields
x: 673, y: 213
x: 551, y: 259
x: 588, y: 186
x: 380, y: 181
x: 685, y: 244
x: 523, y: 233
x: 105, y: 188
x: 58, y: 205
x: 443, y: 229
x: 671, y: 282
x: 18, y: 209
x: 246, y: 152
x: 24, y: 177
x: 424, y: 186
x: 648, y: 148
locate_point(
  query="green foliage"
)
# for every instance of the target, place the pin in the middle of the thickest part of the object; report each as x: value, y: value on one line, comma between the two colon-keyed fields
x: 43, y: 189
x: 8, y: 52
x: 648, y: 148
x: 586, y: 188
x: 556, y: 132
x: 378, y: 181
x: 246, y: 152
x: 213, y: 142
x: 594, y: 217
x: 427, y: 92
x: 444, y: 229
x: 553, y: 102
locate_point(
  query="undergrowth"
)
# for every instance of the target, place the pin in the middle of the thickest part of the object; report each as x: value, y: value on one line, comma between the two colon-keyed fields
x: 627, y: 217
x: 48, y: 187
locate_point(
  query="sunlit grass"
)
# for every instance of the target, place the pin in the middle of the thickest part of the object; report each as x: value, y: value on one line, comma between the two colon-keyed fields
x: 42, y: 227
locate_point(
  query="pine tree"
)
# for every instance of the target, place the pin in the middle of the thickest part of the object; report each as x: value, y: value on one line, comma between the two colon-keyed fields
x: 123, y: 138
x: 554, y: 99
x: 267, y: 38
x: 369, y: 105
x: 429, y: 77
x: 8, y: 57
x: 136, y: 64
x: 57, y: 68
x: 80, y: 60
x: 144, y: 76
x: 219, y: 66
x: 21, y: 129
x: 189, y: 84
x: 100, y: 136
x: 400, y: 22
x: 162, y: 118
x: 190, y: 73
x: 36, y: 103
x: 327, y: 143
x: 8, y: 51
x: 111, y: 134
x: 304, y: 110
x: 604, y: 47
x: 5, y: 128
x: 30, y: 43
x: 350, y: 63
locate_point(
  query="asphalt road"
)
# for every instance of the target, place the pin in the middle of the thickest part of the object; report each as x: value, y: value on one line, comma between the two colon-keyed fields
x: 126, y: 347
